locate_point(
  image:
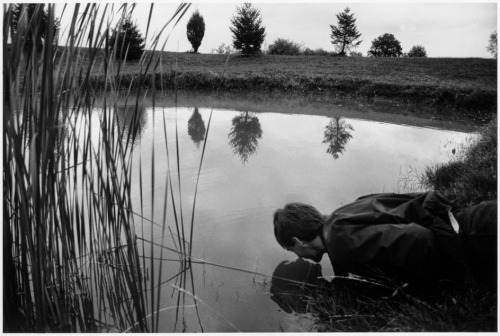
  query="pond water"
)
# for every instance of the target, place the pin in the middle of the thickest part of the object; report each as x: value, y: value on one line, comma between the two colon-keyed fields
x: 255, y: 161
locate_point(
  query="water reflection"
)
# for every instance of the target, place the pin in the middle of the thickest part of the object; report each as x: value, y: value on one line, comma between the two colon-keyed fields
x: 245, y: 134
x: 294, y: 282
x: 337, y: 135
x: 131, y: 122
x: 196, y: 127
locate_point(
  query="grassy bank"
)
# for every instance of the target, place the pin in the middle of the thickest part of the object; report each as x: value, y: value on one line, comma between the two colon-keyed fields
x: 469, y: 178
x: 467, y: 84
x: 351, y: 310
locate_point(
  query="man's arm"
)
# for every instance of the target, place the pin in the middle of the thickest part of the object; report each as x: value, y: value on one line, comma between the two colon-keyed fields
x: 407, y: 251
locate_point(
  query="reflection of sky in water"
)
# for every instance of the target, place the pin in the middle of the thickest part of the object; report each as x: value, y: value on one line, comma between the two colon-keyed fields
x: 236, y: 200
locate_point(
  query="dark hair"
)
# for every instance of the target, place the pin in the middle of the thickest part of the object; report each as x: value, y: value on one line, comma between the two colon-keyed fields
x: 297, y: 220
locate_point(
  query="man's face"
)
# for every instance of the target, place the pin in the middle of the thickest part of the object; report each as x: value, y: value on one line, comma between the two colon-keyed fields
x: 304, y: 250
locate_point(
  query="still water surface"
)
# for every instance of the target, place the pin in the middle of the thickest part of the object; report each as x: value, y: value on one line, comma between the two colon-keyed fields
x: 255, y: 162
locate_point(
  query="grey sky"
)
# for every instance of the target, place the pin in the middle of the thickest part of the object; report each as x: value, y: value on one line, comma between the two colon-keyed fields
x: 458, y: 29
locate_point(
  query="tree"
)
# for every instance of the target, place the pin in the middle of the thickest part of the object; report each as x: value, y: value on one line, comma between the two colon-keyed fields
x: 196, y: 127
x: 345, y: 34
x: 247, y: 29
x: 284, y: 47
x: 130, y: 43
x: 196, y: 30
x: 385, y: 46
x: 417, y: 51
x: 245, y: 134
x: 337, y: 135
x: 131, y: 122
x: 38, y: 18
x: 492, y: 46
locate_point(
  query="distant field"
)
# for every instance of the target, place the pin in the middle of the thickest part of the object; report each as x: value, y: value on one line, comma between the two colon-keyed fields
x: 468, y: 83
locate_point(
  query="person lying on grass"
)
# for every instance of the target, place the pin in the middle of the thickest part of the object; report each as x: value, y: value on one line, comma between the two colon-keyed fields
x: 414, y: 238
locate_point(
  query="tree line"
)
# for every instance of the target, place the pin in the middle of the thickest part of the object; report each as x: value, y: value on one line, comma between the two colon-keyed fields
x: 248, y: 35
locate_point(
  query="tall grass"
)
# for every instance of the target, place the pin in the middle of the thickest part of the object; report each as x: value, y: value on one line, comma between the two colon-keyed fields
x: 470, y: 176
x: 73, y: 259
x: 347, y: 307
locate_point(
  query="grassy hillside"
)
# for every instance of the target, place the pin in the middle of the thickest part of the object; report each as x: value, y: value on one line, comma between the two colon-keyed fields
x: 469, y: 83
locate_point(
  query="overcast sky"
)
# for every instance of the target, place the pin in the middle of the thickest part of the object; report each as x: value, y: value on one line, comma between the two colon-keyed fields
x: 453, y: 29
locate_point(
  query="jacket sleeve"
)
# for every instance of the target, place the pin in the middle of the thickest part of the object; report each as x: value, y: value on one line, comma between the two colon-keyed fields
x: 428, y: 210
x: 404, y: 251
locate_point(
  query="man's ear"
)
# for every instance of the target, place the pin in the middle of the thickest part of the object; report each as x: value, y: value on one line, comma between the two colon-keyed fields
x: 297, y: 241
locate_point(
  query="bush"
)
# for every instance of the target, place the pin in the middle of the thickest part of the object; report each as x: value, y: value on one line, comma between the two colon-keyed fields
x: 223, y: 49
x: 284, y: 47
x: 356, y: 54
x: 417, y: 51
x: 316, y: 52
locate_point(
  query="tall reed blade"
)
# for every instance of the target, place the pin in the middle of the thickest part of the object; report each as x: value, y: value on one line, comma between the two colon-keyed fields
x: 71, y: 259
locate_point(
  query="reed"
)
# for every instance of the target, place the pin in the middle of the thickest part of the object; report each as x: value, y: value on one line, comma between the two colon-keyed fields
x: 72, y: 258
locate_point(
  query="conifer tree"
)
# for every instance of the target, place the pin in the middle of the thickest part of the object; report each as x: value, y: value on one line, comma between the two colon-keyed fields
x: 247, y: 29
x: 345, y: 34
x: 129, y: 37
x: 196, y: 30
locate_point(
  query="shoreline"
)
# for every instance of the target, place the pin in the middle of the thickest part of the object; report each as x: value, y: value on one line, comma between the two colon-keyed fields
x: 468, y: 85
x: 478, y: 101
x: 385, y: 111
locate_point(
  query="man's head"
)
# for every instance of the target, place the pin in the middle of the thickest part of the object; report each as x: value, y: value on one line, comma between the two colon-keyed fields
x: 297, y: 228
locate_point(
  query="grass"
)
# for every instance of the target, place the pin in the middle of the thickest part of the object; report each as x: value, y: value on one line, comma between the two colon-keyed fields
x: 75, y: 255
x: 470, y: 177
x: 349, y: 310
x: 465, y: 84
x: 75, y: 258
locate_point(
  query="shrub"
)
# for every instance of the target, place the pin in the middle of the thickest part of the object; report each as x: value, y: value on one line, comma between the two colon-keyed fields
x: 316, y: 52
x: 356, y: 54
x: 417, y: 51
x: 284, y: 47
x: 223, y: 49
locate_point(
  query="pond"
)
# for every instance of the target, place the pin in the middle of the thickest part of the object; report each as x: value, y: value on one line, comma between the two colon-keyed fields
x: 256, y: 158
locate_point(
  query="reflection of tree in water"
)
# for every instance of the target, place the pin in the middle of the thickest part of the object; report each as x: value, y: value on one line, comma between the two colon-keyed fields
x: 245, y: 134
x: 131, y: 121
x: 337, y: 135
x: 196, y: 127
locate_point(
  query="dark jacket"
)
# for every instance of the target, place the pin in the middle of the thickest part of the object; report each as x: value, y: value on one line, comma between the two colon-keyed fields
x: 405, y: 236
